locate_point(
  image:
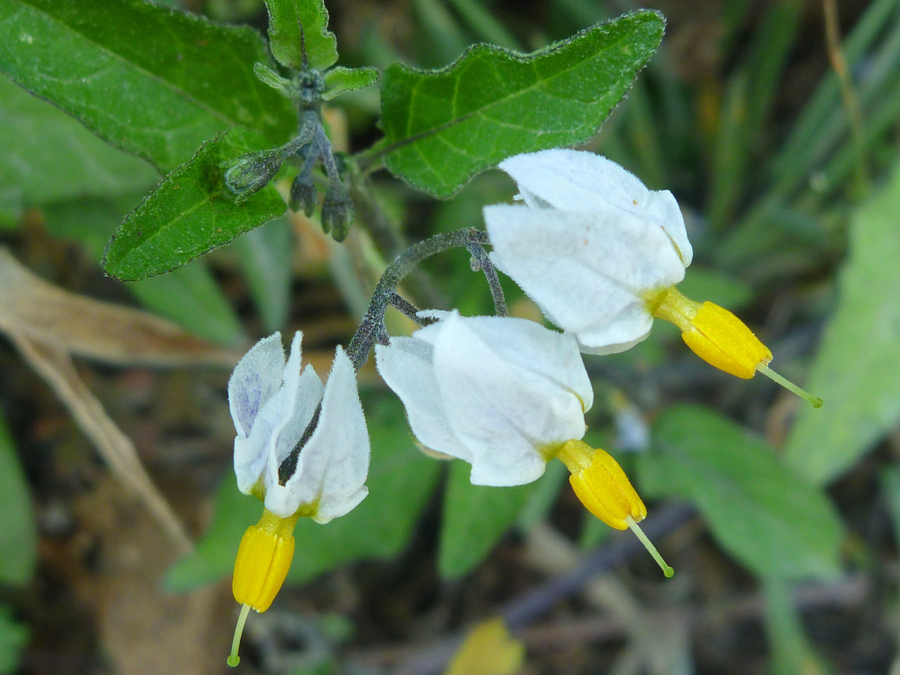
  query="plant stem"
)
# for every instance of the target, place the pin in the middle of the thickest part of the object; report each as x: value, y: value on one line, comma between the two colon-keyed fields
x: 367, y: 333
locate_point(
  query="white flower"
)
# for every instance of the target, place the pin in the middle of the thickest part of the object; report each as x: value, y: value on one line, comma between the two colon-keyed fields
x: 588, y: 244
x: 272, y: 403
x: 500, y: 393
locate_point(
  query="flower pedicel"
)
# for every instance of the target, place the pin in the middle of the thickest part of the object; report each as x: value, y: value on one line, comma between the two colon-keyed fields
x: 507, y: 396
x: 601, y: 255
x: 301, y: 448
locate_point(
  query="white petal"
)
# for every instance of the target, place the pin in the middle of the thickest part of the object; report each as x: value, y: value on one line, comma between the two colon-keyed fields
x: 302, y: 392
x: 254, y: 381
x: 501, y: 412
x: 406, y: 367
x: 575, y: 180
x: 334, y: 463
x: 251, y: 454
x: 527, y: 345
x: 587, y: 271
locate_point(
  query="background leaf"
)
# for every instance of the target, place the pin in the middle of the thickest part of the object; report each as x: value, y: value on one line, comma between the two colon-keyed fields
x: 285, y: 19
x: 147, y: 79
x: 266, y: 257
x: 49, y: 156
x: 475, y: 517
x: 443, y: 127
x: 761, y: 511
x: 190, y: 213
x: 13, y: 637
x: 853, y: 371
x: 18, y: 536
x: 189, y: 295
x: 400, y: 482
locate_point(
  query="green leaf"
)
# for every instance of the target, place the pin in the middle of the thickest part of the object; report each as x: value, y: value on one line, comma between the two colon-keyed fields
x: 400, y: 482
x: 285, y: 19
x: 475, y: 517
x: 761, y: 511
x: 18, y: 536
x: 266, y: 256
x: 147, y: 79
x: 853, y: 371
x: 443, y: 127
x: 190, y: 213
x: 49, y: 156
x: 339, y: 80
x: 13, y: 637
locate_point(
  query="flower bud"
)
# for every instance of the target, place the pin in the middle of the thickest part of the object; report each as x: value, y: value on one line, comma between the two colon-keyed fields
x: 304, y: 196
x: 252, y: 172
x: 337, y: 212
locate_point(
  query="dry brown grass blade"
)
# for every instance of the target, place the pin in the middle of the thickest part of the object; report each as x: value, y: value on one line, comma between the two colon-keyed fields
x: 104, y: 331
x: 54, y: 365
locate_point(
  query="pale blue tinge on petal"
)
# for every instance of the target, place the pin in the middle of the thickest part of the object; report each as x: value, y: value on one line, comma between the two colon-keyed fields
x: 254, y: 381
x: 587, y: 271
x: 276, y: 402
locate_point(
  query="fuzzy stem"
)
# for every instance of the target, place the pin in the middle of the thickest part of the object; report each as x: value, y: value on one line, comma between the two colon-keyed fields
x: 366, y: 334
x: 490, y: 274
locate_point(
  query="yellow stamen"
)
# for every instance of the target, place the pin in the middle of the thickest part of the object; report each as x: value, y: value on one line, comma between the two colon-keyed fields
x: 262, y: 563
x: 604, y: 489
x: 718, y: 337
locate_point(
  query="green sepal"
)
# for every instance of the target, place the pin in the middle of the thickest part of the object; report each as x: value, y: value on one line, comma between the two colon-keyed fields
x: 340, y: 80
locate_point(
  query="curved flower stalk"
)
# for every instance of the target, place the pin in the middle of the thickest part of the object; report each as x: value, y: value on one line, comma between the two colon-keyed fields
x: 507, y: 395
x: 601, y: 255
x: 286, y: 418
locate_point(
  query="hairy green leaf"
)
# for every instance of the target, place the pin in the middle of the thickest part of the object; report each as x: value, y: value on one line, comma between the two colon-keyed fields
x: 760, y: 510
x: 400, y: 482
x: 147, y: 79
x: 18, y: 536
x: 475, y: 517
x: 285, y: 19
x: 49, y: 156
x: 853, y: 371
x: 190, y: 213
x: 443, y: 127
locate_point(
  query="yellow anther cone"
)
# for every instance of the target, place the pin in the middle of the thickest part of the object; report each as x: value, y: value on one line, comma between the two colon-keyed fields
x: 262, y: 563
x: 604, y: 489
